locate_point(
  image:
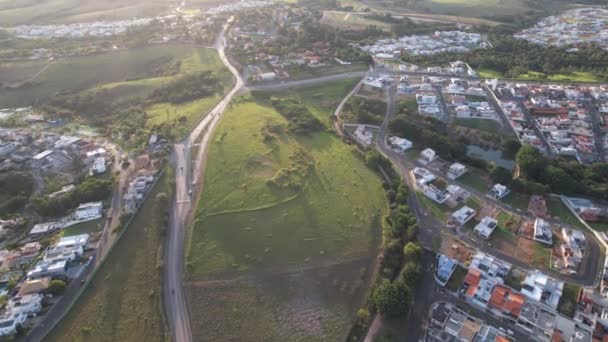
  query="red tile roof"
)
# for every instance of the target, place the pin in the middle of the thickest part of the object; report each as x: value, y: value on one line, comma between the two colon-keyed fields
x: 507, y: 301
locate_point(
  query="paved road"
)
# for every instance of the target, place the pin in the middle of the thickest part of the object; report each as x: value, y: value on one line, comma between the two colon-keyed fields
x: 186, y: 176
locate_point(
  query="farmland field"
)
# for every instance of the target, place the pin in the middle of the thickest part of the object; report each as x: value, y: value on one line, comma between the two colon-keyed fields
x: 123, y: 74
x: 285, y: 263
x: 123, y: 300
x: 70, y: 11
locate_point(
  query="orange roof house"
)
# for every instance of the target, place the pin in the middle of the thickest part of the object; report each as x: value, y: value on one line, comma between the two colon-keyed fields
x: 506, y: 301
x: 472, y: 280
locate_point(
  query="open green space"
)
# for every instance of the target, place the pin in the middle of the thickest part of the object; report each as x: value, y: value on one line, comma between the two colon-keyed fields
x: 457, y: 279
x: 121, y: 75
x: 440, y: 211
x: 71, y: 11
x: 88, y: 227
x: 601, y: 226
x: 557, y: 209
x: 490, y: 126
x: 489, y: 73
x: 244, y: 221
x: 297, y: 214
x: 474, y: 181
x: 517, y: 200
x: 123, y: 300
x: 576, y: 76
x: 568, y: 300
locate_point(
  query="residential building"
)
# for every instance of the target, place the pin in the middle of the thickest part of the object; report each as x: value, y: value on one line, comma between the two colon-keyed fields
x: 506, y: 303
x: 542, y: 288
x: 46, y: 228
x: 400, y: 144
x: 34, y: 286
x: 463, y: 215
x: 80, y: 240
x: 485, y: 227
x: 43, y: 269
x: 542, y: 231
x: 427, y: 156
x: 28, y: 305
x: 423, y: 176
x: 98, y: 167
x: 445, y: 269
x: 537, y: 320
x: 88, y: 211
x: 10, y: 322
x: 499, y: 191
x: 456, y: 170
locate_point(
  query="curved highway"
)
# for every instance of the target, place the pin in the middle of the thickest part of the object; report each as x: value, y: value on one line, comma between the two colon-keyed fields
x: 176, y: 306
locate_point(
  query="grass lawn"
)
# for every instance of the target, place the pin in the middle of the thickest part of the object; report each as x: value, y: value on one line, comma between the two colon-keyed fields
x: 473, y: 202
x: 440, y: 211
x: 514, y: 280
x: 85, y: 227
x: 557, y: 209
x: 457, y: 279
x: 121, y: 73
x: 542, y: 255
x: 474, y: 181
x: 242, y: 222
x: 123, y: 301
x: 489, y: 73
x: 246, y: 225
x: 304, y: 72
x: 480, y: 124
x: 352, y: 21
x: 517, y: 200
x: 601, y: 226
x: 567, y: 302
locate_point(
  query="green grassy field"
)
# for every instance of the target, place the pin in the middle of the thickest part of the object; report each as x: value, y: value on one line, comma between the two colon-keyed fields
x: 490, y: 126
x: 557, y: 209
x: 85, y: 227
x: 123, y: 301
x: 70, y: 11
x: 577, y: 76
x: 123, y: 74
x: 308, y: 246
x: 242, y: 222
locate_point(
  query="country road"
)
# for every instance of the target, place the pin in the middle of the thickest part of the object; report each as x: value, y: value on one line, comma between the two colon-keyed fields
x: 176, y: 306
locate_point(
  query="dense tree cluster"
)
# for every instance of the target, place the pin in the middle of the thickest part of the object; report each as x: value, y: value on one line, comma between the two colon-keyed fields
x: 16, y: 190
x: 188, y: 88
x: 90, y: 190
x: 539, y: 174
x: 366, y: 111
x: 301, y: 120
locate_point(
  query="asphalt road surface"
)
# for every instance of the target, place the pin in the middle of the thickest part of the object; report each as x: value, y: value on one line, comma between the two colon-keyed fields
x: 186, y: 177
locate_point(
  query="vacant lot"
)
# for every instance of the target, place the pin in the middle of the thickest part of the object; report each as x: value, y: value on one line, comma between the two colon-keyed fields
x: 123, y: 301
x: 122, y: 74
x: 289, y: 263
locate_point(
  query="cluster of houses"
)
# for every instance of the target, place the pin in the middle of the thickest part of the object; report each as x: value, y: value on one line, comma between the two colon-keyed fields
x: 440, y: 41
x: 27, y: 272
x: 468, y: 100
x: 84, y: 212
x: 456, y: 68
x: 560, y: 117
x: 77, y: 30
x: 571, y: 28
x: 531, y: 309
x: 449, y: 323
x: 50, y: 152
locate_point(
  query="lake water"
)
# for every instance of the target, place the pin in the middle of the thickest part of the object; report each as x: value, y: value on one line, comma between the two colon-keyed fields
x: 490, y: 155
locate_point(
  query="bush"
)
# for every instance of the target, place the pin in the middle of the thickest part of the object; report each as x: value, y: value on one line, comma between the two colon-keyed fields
x: 392, y: 298
x: 56, y: 287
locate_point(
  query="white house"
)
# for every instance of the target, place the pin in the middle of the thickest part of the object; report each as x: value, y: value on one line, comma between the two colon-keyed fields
x: 28, y: 305
x: 542, y: 231
x: 400, y: 144
x: 43, y: 269
x: 45, y: 228
x: 463, y: 215
x: 74, y: 240
x: 98, y: 167
x: 88, y: 211
x: 423, y: 176
x: 499, y: 191
x: 486, y: 227
x: 456, y: 170
x: 427, y: 156
x: 268, y: 76
x: 10, y: 322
